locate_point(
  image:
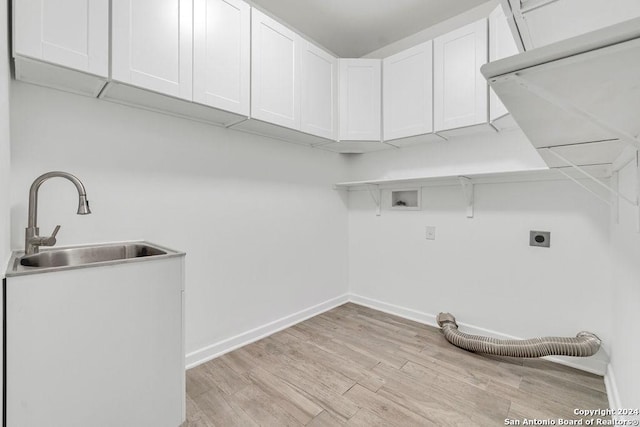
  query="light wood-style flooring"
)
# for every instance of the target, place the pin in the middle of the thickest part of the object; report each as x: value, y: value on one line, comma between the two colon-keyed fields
x: 356, y: 366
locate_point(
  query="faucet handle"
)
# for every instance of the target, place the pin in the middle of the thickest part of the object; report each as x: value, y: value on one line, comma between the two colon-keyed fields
x: 51, y: 240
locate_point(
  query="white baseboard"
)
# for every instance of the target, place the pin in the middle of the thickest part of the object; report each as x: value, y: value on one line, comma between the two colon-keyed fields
x: 218, y: 349
x: 612, y: 389
x: 406, y: 313
x: 596, y: 364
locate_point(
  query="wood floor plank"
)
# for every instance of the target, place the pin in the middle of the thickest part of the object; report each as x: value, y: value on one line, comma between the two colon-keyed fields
x: 359, y: 367
x: 302, y: 381
x: 356, y: 340
x: 286, y: 396
x: 445, y: 398
x: 367, y: 418
x: 263, y: 409
x: 223, y: 377
x: 544, y: 368
x: 367, y: 361
x: 325, y: 419
x: 316, y: 368
x: 477, y: 367
x: 195, y: 417
x: 564, y: 392
x: 435, y: 411
x: 220, y: 412
x: 333, y: 362
x: 531, y: 404
x: 384, y: 408
x: 197, y: 381
x: 470, y: 399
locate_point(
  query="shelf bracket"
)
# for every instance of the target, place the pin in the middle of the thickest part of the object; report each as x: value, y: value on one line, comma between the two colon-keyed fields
x: 598, y: 195
x: 375, y: 193
x: 468, y: 190
x: 592, y: 178
x: 573, y: 109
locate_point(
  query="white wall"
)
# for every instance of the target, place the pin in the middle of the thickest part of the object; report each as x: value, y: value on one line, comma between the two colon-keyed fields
x: 264, y: 231
x: 625, y: 248
x: 482, y: 269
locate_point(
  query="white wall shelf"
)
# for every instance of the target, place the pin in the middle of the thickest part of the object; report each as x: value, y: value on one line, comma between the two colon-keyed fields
x: 580, y: 175
x: 600, y: 171
x: 468, y: 181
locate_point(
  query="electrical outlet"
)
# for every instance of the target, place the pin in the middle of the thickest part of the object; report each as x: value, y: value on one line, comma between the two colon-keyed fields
x: 430, y: 233
x: 540, y: 238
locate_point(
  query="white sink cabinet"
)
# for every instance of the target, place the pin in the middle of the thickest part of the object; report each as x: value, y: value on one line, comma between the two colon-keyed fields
x: 97, y: 345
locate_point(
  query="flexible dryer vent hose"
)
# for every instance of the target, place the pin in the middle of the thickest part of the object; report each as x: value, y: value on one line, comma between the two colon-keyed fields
x: 583, y: 345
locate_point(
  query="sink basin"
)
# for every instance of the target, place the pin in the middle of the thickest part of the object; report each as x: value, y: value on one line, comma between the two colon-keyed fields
x: 88, y: 255
x: 72, y: 257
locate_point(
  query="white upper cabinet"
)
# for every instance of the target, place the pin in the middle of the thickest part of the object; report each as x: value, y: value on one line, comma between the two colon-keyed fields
x: 501, y: 45
x: 460, y: 91
x: 152, y: 45
x: 408, y: 92
x: 360, y: 93
x: 275, y: 65
x: 221, y: 54
x: 71, y: 33
x: 319, y: 91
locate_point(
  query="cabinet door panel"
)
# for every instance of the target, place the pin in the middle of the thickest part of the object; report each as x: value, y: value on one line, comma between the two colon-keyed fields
x: 408, y: 92
x: 275, y: 68
x: 71, y: 33
x: 319, y: 92
x: 152, y: 45
x: 501, y: 45
x: 460, y: 91
x: 222, y: 54
x: 360, y: 93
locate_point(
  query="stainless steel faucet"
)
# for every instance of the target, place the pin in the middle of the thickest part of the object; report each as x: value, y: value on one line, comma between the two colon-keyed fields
x: 32, y: 240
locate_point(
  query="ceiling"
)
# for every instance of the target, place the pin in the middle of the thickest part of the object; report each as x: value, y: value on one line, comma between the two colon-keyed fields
x: 353, y: 28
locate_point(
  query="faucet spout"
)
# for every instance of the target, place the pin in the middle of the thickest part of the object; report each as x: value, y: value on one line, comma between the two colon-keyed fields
x: 83, y: 205
x: 32, y: 239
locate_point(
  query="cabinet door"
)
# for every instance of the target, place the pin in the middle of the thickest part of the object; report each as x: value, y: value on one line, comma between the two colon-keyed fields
x: 408, y: 92
x: 152, y: 45
x: 275, y: 65
x: 360, y: 93
x: 460, y: 91
x: 221, y: 54
x: 501, y: 45
x: 319, y: 74
x: 71, y: 33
